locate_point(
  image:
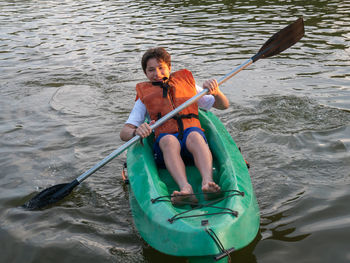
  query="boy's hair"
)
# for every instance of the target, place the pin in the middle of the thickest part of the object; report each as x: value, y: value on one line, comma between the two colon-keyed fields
x: 158, y: 53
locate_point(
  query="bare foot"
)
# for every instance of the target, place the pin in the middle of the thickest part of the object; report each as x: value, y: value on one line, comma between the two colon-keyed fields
x: 211, y: 190
x: 183, y: 197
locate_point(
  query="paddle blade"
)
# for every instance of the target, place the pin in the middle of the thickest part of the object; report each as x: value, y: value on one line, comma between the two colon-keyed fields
x: 50, y: 196
x: 282, y: 40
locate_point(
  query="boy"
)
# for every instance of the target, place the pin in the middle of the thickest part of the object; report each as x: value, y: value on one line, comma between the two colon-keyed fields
x: 182, y: 136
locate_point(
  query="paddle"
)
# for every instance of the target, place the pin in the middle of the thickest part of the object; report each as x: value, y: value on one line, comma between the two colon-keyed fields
x: 280, y: 41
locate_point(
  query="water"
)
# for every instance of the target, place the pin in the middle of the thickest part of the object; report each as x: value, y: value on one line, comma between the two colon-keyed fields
x: 68, y: 72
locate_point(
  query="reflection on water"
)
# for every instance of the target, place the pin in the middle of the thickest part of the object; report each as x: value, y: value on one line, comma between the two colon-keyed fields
x: 317, y: 225
x: 68, y: 75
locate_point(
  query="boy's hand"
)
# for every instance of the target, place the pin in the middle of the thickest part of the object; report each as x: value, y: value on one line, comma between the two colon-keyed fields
x: 144, y: 129
x: 212, y: 86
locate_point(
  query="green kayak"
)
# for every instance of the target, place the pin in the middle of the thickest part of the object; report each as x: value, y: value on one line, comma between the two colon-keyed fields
x: 209, y: 231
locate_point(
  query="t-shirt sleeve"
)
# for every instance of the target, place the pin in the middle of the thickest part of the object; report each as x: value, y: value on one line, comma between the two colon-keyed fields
x: 138, y: 114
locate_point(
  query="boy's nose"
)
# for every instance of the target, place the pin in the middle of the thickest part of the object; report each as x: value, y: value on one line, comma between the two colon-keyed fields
x: 159, y: 73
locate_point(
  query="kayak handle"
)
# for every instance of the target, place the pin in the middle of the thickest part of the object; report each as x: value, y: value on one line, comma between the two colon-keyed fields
x: 224, y: 254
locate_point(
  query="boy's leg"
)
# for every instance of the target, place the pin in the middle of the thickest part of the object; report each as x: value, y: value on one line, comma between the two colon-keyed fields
x: 203, y: 160
x: 171, y: 149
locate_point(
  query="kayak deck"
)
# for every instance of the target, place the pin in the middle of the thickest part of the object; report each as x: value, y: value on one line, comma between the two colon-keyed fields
x: 230, y: 221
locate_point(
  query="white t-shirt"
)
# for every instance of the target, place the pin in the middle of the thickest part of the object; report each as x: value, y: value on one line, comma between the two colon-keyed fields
x: 138, y: 114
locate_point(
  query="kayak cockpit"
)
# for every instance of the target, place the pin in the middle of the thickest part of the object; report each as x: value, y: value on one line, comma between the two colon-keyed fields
x: 205, y: 229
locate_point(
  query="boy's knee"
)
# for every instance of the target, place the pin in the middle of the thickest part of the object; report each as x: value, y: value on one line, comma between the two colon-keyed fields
x: 195, y: 137
x: 168, y: 141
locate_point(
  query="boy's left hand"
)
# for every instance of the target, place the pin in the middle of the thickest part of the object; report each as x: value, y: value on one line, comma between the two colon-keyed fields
x: 212, y: 86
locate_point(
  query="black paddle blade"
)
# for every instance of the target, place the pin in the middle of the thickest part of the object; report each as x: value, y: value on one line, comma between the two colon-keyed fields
x: 282, y: 40
x: 50, y: 195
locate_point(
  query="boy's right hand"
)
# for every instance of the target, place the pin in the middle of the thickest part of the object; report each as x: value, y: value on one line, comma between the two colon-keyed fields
x: 144, y: 130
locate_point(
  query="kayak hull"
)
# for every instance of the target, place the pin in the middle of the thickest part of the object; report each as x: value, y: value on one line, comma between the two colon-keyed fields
x: 209, y: 230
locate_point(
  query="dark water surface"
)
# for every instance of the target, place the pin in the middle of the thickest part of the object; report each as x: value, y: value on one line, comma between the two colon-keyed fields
x: 68, y: 71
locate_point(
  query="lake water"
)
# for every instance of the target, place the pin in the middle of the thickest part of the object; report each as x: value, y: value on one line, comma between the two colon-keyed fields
x: 68, y: 71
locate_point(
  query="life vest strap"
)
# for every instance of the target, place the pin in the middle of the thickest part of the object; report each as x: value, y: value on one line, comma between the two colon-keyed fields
x: 164, y: 85
x: 179, y: 117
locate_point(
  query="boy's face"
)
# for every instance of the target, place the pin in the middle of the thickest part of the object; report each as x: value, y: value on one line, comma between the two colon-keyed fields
x: 157, y: 70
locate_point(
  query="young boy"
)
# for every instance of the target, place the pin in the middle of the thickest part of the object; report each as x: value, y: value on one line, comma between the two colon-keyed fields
x: 181, y: 136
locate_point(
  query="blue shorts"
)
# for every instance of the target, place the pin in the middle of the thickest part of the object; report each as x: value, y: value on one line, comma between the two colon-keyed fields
x: 185, y: 154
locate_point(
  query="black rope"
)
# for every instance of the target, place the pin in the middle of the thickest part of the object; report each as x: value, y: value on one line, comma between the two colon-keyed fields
x: 195, y: 206
x: 166, y: 198
x: 177, y: 217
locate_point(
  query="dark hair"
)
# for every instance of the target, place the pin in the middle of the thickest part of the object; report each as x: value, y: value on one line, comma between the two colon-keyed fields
x: 158, y: 53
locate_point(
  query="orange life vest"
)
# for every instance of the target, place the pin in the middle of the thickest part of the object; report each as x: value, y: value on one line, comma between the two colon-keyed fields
x: 162, y: 97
